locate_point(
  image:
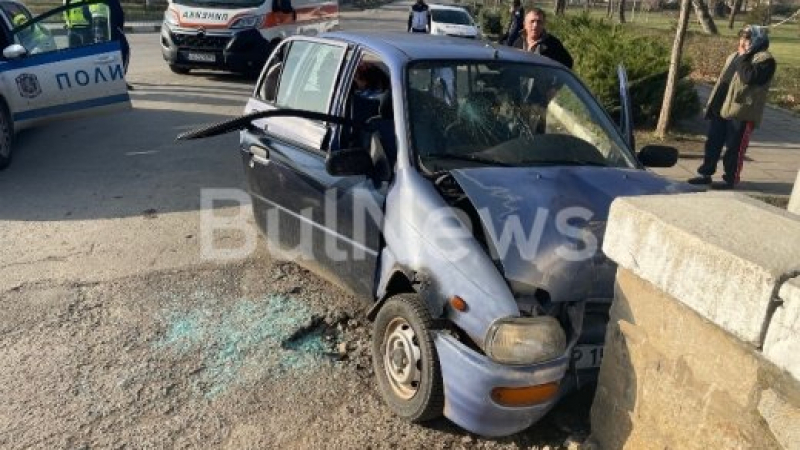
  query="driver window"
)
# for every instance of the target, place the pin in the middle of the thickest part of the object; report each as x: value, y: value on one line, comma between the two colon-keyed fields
x: 305, y: 81
x: 85, y: 24
x: 269, y: 87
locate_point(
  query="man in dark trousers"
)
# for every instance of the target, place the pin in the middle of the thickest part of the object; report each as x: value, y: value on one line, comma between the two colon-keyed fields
x: 515, y: 26
x: 419, y: 19
x: 537, y: 40
x: 116, y: 22
x: 736, y: 105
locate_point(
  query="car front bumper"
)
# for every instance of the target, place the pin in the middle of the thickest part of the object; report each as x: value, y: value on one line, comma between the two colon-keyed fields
x: 469, y: 378
x: 241, y: 51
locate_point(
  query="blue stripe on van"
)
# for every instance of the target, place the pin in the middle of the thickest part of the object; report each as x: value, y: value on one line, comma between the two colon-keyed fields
x: 70, y: 107
x: 59, y: 55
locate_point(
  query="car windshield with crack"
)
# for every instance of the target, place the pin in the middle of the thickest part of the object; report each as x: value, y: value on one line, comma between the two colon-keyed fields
x: 468, y: 114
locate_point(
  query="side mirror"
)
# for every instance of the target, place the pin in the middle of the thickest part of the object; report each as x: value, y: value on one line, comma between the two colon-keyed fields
x: 349, y: 162
x: 14, y: 51
x: 658, y: 156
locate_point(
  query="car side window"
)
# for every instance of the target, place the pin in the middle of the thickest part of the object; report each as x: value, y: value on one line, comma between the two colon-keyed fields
x: 308, y: 77
x: 269, y: 87
x: 85, y: 24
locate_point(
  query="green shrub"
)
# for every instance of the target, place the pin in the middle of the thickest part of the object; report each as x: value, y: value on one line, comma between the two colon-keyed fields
x: 490, y: 20
x: 758, y: 15
x: 598, y: 47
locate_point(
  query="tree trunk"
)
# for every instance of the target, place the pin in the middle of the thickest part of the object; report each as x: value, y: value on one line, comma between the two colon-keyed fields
x: 768, y: 14
x: 737, y: 4
x: 621, y: 11
x: 701, y: 10
x: 588, y: 5
x: 561, y: 6
x: 610, y: 9
x: 674, y: 65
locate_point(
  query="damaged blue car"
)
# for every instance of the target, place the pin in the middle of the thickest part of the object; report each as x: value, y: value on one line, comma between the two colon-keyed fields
x: 463, y: 189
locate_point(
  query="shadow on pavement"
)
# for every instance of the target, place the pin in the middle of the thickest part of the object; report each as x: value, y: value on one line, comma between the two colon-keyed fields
x: 138, y: 170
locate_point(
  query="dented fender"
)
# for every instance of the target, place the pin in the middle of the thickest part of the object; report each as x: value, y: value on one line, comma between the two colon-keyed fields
x: 423, y: 237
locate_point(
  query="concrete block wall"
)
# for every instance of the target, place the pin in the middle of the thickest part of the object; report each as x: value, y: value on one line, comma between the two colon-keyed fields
x: 703, y: 345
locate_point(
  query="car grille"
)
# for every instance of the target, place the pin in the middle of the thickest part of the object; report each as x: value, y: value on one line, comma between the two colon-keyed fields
x: 197, y: 41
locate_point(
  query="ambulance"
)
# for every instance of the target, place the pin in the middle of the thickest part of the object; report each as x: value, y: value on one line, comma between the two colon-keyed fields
x: 237, y: 35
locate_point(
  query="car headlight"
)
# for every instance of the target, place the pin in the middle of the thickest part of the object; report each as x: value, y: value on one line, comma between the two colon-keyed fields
x: 246, y: 22
x: 171, y: 17
x: 525, y: 340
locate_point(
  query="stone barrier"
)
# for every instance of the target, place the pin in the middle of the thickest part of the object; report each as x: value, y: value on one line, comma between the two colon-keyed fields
x: 703, y: 344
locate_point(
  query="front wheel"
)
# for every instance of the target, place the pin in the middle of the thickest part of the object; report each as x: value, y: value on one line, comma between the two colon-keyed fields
x: 6, y: 136
x: 405, y: 360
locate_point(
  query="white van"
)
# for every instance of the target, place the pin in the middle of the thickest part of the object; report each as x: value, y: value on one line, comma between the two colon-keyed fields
x: 237, y: 35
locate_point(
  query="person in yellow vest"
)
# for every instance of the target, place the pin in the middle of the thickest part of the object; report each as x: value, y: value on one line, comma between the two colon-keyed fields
x: 100, y: 26
x: 78, y: 21
x: 35, y: 38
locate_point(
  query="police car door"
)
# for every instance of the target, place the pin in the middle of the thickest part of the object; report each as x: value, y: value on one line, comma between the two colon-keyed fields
x: 61, y: 65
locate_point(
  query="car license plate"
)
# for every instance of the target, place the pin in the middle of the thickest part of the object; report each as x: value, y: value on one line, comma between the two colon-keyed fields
x: 587, y: 356
x: 201, y: 57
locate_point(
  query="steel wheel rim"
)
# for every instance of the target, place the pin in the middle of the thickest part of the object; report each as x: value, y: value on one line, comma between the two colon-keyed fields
x: 402, y: 358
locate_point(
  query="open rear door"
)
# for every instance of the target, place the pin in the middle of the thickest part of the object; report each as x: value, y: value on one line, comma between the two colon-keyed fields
x: 625, y: 112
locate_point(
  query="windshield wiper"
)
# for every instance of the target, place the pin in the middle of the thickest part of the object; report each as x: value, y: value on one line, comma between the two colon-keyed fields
x: 468, y: 157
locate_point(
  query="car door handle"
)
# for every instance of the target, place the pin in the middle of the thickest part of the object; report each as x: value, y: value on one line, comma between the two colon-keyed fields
x: 258, y: 154
x: 104, y: 59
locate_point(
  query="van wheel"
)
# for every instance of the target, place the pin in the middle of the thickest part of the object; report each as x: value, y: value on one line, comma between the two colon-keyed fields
x: 6, y: 136
x: 405, y: 361
x: 178, y: 69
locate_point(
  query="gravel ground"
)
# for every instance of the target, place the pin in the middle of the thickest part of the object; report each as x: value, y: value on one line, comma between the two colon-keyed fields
x: 249, y: 355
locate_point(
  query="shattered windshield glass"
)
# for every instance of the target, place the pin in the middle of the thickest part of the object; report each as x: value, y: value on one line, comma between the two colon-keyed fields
x: 468, y: 114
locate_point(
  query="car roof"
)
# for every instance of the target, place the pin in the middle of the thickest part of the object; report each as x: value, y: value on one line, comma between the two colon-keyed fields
x: 399, y: 47
x: 451, y: 7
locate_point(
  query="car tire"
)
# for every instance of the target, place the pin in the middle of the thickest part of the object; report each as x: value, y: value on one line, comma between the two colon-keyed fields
x: 6, y: 136
x: 405, y: 360
x: 180, y: 70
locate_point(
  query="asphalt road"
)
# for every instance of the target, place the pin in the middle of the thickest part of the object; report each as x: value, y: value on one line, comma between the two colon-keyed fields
x: 119, y: 331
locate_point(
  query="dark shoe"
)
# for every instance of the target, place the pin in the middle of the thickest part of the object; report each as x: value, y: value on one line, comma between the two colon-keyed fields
x: 702, y: 179
x: 130, y: 88
x: 722, y: 186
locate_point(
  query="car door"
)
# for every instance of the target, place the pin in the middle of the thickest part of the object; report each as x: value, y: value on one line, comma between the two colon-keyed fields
x: 296, y: 202
x: 47, y: 75
x: 626, y: 111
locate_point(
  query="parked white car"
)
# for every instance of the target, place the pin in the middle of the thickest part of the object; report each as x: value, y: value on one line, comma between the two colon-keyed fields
x: 453, y: 21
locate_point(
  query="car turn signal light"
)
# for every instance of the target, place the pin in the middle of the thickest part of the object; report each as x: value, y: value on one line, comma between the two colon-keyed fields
x: 458, y: 303
x: 524, y: 396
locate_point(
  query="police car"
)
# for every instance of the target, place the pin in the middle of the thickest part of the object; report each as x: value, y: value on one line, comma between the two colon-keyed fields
x: 55, y: 67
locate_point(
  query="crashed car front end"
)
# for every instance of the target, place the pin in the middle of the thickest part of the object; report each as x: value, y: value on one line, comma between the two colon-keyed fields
x: 499, y: 229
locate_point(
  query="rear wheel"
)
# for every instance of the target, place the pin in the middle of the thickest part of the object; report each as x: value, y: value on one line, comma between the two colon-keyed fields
x: 180, y: 70
x: 6, y: 136
x: 405, y: 360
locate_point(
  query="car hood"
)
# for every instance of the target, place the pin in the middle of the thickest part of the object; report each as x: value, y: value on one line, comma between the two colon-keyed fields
x: 544, y: 226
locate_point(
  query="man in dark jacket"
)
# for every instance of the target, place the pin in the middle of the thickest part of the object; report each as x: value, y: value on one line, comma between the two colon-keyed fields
x: 736, y: 105
x: 116, y: 22
x: 516, y: 24
x: 537, y: 40
x: 419, y: 19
